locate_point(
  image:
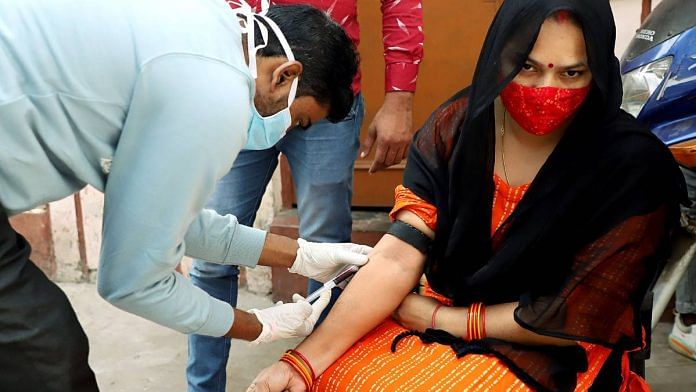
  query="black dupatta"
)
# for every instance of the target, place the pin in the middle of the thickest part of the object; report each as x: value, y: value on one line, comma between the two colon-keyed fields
x: 582, y: 247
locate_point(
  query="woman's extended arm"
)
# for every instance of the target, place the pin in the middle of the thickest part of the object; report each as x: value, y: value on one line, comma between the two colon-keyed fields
x: 375, y: 292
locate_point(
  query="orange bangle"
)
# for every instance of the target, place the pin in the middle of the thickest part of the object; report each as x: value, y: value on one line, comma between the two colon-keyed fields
x: 298, y: 362
x: 306, y: 362
x: 468, y: 322
x: 475, y: 323
x: 290, y: 360
x: 479, y: 335
x: 468, y: 325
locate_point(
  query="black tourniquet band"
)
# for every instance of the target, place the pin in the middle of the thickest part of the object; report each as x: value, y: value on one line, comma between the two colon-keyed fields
x: 410, y: 235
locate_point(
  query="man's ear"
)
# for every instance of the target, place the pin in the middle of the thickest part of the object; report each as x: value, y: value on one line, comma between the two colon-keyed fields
x: 285, y: 73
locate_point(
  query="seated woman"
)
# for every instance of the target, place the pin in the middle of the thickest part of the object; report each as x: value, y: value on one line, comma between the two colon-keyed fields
x: 549, y: 209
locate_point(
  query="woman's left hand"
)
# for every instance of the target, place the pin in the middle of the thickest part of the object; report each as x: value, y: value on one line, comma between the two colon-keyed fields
x: 415, y: 312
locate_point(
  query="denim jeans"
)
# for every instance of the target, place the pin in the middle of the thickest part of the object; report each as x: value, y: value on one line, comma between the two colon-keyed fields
x: 686, y: 290
x: 321, y: 161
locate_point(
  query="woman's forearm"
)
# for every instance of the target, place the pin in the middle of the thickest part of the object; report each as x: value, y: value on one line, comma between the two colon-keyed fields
x: 373, y: 294
x: 500, y: 324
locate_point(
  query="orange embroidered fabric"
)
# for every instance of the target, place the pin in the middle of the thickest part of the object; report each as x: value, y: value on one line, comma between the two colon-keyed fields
x: 505, y: 199
x: 406, y: 200
x: 369, y: 365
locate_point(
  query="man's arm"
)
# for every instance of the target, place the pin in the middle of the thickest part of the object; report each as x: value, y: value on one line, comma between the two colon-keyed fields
x: 180, y: 136
x: 221, y: 239
x: 402, y: 32
x: 390, y: 130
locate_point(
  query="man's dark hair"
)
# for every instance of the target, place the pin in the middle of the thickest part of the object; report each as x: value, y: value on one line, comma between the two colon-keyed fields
x: 329, y: 59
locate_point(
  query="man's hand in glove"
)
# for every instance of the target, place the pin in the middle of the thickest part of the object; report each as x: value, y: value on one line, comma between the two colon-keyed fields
x: 291, y: 320
x: 322, y: 261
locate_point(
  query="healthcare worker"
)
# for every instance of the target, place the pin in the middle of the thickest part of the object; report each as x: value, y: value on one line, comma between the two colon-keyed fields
x: 114, y: 94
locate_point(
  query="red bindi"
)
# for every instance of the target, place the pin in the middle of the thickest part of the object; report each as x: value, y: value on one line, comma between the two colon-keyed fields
x: 550, y: 65
x: 562, y: 16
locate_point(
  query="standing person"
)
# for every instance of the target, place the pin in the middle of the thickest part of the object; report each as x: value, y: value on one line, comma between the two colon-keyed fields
x: 321, y: 159
x: 682, y: 338
x: 116, y: 94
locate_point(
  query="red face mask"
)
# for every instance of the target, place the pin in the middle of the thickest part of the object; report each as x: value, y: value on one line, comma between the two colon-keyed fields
x: 541, y: 110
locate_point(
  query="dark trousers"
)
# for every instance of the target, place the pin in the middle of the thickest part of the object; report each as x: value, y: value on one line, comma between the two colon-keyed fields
x: 42, y: 345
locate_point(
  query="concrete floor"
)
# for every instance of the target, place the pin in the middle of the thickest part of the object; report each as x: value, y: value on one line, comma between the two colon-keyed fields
x: 667, y: 371
x: 130, y: 354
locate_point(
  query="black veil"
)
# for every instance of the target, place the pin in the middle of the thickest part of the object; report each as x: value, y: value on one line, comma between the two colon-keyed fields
x: 580, y: 250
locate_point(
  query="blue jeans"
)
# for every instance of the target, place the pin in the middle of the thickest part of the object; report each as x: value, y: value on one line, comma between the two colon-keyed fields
x: 321, y: 161
x: 686, y: 290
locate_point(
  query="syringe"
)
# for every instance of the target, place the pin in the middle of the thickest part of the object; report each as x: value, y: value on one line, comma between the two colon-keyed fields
x: 342, y: 276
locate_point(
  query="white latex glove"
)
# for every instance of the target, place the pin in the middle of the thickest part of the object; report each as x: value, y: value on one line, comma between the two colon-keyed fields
x: 292, y: 320
x: 322, y: 261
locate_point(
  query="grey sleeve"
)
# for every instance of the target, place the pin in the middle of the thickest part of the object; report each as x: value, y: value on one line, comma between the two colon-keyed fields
x: 186, y: 123
x: 223, y: 240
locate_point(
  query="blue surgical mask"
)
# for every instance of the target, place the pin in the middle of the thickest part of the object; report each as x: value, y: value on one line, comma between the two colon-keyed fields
x: 265, y: 132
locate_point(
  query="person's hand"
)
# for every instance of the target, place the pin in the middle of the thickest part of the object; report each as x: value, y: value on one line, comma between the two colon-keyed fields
x: 321, y: 261
x: 292, y: 320
x: 278, y: 377
x: 390, y: 130
x: 415, y: 312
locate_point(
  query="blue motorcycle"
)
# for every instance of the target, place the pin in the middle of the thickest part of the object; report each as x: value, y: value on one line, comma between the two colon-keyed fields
x: 659, y: 77
x: 659, y: 88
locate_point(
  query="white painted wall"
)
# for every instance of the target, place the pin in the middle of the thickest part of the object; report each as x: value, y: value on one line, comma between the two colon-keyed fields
x: 627, y: 18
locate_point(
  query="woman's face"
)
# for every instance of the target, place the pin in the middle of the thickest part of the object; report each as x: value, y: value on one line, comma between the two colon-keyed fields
x: 559, y: 57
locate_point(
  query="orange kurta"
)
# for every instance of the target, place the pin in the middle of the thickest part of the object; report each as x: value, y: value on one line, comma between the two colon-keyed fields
x: 371, y: 366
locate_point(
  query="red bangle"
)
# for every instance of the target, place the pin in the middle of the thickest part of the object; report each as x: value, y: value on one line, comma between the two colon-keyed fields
x: 298, y: 368
x: 306, y: 362
x: 432, y: 318
x: 301, y: 365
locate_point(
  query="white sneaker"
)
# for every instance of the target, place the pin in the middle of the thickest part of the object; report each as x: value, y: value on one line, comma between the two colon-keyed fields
x: 683, y: 338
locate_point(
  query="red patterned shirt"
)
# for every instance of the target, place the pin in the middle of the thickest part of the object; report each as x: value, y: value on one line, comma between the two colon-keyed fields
x: 402, y: 32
